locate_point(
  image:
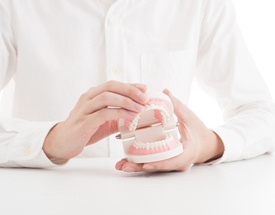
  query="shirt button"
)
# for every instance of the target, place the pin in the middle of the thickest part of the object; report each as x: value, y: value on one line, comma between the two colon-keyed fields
x: 115, y: 71
x: 114, y: 21
x: 27, y: 151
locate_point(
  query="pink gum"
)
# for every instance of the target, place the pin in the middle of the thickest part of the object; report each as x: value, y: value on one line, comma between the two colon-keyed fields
x: 156, y: 112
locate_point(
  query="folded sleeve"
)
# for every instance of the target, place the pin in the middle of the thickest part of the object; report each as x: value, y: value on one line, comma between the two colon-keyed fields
x: 21, y: 141
x: 226, y: 71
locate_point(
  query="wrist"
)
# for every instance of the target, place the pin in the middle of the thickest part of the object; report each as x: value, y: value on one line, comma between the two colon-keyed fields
x: 212, y: 148
x: 50, y: 147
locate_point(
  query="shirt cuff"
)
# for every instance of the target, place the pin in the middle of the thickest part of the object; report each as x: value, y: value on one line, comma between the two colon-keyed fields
x: 26, y: 148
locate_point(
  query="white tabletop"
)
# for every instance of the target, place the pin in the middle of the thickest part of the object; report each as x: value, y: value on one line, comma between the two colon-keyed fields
x: 93, y: 186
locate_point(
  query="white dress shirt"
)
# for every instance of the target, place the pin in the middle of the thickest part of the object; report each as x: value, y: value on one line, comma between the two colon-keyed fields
x: 55, y: 50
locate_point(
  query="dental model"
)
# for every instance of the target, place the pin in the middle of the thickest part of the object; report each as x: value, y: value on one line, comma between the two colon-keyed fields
x: 152, y: 134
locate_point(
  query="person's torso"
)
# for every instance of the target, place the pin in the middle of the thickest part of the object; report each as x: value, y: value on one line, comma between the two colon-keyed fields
x: 65, y: 47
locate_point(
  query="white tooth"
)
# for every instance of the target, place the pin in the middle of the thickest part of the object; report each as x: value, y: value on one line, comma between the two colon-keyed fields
x: 133, y: 124
x: 169, y: 139
x: 159, y: 143
x: 165, y: 116
x: 146, y: 145
x: 147, y: 107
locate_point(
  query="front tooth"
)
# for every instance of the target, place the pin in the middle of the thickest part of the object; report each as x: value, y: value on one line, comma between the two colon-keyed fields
x: 159, y: 144
x: 142, y: 145
x: 135, y: 145
x: 133, y: 124
x: 167, y: 141
x: 157, y: 107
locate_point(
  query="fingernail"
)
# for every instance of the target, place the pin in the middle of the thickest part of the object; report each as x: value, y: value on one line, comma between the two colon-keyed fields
x: 149, y: 167
x: 128, y: 169
x: 142, y: 86
x: 118, y: 166
x: 139, y: 107
x: 143, y: 97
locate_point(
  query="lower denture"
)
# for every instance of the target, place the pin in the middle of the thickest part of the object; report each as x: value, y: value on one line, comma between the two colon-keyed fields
x: 156, y: 150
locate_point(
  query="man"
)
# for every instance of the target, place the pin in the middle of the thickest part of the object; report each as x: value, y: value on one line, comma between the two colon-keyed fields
x: 72, y: 60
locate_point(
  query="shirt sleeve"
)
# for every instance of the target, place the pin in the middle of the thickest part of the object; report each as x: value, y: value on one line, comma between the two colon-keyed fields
x: 226, y: 71
x: 21, y: 141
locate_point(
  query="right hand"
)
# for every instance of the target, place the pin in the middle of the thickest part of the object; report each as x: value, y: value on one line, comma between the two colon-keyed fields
x: 94, y: 117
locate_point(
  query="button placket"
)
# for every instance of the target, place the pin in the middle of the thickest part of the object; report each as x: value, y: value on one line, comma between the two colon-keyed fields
x: 114, y: 70
x: 114, y: 49
x: 115, y: 21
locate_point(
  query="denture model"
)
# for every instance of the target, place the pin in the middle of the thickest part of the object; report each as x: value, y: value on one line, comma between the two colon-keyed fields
x: 152, y: 134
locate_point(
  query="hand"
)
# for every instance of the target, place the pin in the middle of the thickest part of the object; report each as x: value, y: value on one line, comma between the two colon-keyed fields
x: 200, y: 144
x: 94, y: 117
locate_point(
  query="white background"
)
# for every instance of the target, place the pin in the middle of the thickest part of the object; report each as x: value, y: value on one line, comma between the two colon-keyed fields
x: 256, y: 19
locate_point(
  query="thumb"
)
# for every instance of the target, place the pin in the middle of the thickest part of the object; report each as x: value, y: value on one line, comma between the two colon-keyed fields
x: 184, y: 114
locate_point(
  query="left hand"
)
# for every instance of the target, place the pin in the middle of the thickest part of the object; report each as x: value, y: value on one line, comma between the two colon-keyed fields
x: 200, y: 144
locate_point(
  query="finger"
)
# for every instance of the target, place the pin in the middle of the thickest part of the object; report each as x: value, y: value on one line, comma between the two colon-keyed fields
x: 181, y: 162
x: 142, y: 87
x: 127, y: 166
x: 178, y: 163
x: 111, y: 99
x: 106, y: 114
x: 120, y: 163
x: 184, y: 114
x: 134, y: 91
x: 105, y: 130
